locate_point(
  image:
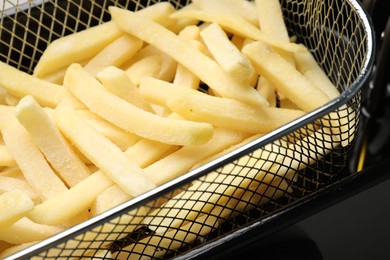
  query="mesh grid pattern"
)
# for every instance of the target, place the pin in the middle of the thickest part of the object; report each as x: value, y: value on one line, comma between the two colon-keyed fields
x: 243, y: 190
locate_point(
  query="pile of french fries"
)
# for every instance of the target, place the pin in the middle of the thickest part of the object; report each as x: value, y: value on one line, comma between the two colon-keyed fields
x: 120, y: 108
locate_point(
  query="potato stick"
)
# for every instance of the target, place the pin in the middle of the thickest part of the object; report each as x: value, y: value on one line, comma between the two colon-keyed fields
x: 183, y: 23
x: 225, y: 52
x: 103, y: 153
x: 10, y: 184
x: 168, y: 68
x: 3, y: 93
x: 117, y: 82
x: 284, y: 77
x: 202, y: 66
x: 76, y: 47
x: 236, y: 25
x: 76, y: 200
x: 219, y: 187
x: 14, y: 249
x: 271, y: 22
x: 114, y: 54
x: 14, y: 205
x: 48, y: 138
x: 146, y: 152
x: 13, y: 172
x: 179, y: 162
x: 6, y: 112
x: 118, y: 136
x: 107, y: 199
x: 148, y: 66
x: 190, y: 33
x: 159, y: 12
x: 267, y: 91
x: 222, y: 112
x: 31, y: 161
x: 156, y: 246
x: 147, y: 50
x: 6, y: 158
x: 20, y: 84
x: 25, y: 231
x: 245, y: 9
x: 57, y: 77
x: 11, y: 100
x: 129, y: 117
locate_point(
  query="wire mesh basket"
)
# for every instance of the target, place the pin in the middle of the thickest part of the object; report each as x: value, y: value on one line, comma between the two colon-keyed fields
x: 243, y: 186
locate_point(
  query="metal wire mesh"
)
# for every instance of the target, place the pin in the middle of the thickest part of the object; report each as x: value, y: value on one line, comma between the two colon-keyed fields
x: 242, y: 187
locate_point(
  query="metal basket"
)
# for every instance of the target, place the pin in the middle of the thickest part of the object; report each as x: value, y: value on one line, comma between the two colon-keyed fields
x: 254, y: 181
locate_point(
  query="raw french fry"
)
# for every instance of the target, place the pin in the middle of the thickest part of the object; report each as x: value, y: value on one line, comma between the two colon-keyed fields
x: 14, y: 205
x: 181, y: 24
x: 268, y: 91
x: 6, y: 112
x: 148, y: 66
x: 31, y: 161
x: 284, y: 77
x: 11, y: 100
x: 179, y: 162
x: 14, y: 249
x: 202, y: 66
x: 20, y: 84
x: 11, y: 184
x: 245, y: 9
x: 118, y: 136
x: 57, y: 77
x: 104, y: 154
x: 226, y: 53
x: 52, y: 144
x: 3, y: 93
x: 6, y: 158
x: 13, y: 172
x: 159, y: 12
x: 26, y: 231
x: 222, y: 112
x: 76, y: 47
x: 107, y: 199
x: 271, y: 22
x: 114, y: 54
x: 131, y: 118
x: 223, y: 184
x: 76, y: 200
x: 117, y: 82
x: 235, y: 24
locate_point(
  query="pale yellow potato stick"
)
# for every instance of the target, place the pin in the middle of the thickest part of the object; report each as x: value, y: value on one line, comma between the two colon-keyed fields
x: 11, y: 100
x: 76, y: 200
x: 147, y: 66
x: 107, y: 199
x: 13, y: 172
x: 6, y: 158
x: 57, y: 77
x: 118, y: 136
x: 179, y: 162
x: 10, y: 184
x: 3, y: 93
x: 114, y: 54
x: 159, y: 12
x: 16, y: 248
x: 168, y: 68
x: 182, y: 23
x: 131, y: 118
x: 117, y: 82
x: 147, y: 50
x: 267, y: 91
x: 219, y: 187
x: 197, y: 106
x: 31, y: 161
x: 226, y: 53
x: 202, y: 66
x: 103, y: 153
x: 6, y: 112
x: 284, y: 77
x: 245, y: 9
x: 14, y: 205
x: 271, y: 20
x: 26, y: 231
x: 343, y: 121
x: 76, y: 47
x: 20, y: 84
x: 146, y: 152
x: 50, y: 141
x: 231, y: 114
x: 236, y: 25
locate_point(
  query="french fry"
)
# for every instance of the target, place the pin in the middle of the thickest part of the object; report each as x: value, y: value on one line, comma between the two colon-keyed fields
x: 26, y: 231
x: 114, y: 54
x: 14, y: 205
x: 245, y: 9
x: 226, y: 53
x: 129, y: 117
x: 11, y: 184
x: 6, y: 158
x: 104, y: 154
x: 20, y: 84
x: 31, y: 161
x: 107, y: 199
x: 76, y: 200
x: 179, y: 162
x: 235, y: 24
x: 3, y: 93
x: 6, y: 112
x: 267, y: 91
x: 117, y: 82
x: 206, y: 69
x: 284, y: 77
x: 149, y: 66
x: 14, y: 249
x: 48, y: 138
